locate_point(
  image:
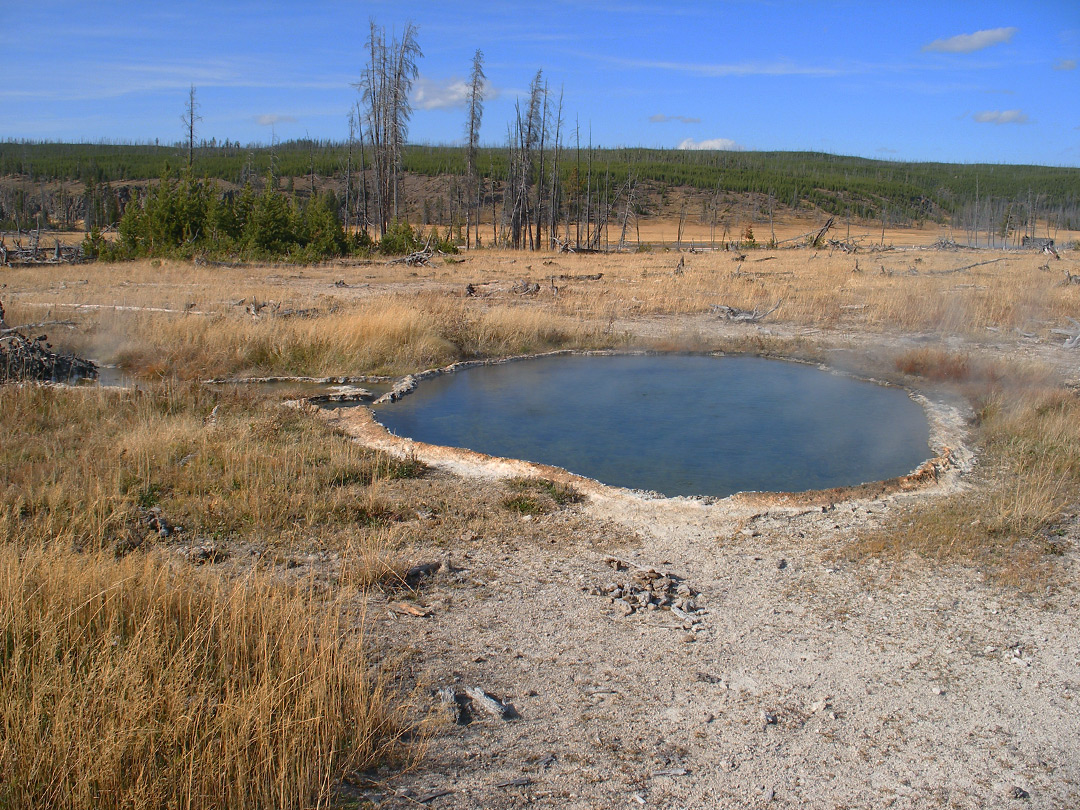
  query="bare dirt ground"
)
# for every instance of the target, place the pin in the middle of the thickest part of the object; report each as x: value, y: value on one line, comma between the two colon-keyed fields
x: 810, y: 679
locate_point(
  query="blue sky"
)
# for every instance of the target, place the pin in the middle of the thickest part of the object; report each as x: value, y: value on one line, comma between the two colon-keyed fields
x: 951, y: 81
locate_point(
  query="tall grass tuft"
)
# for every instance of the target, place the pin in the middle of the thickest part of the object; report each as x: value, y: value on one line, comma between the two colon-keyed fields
x: 135, y: 684
x: 132, y: 679
x: 1029, y: 473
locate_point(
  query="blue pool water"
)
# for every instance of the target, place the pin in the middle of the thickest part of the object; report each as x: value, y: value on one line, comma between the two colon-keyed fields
x: 675, y: 424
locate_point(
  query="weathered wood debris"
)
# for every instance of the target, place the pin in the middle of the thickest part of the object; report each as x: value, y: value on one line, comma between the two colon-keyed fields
x: 1072, y: 336
x: 844, y: 245
x: 257, y: 309
x: 743, y: 315
x: 816, y: 241
x: 525, y: 287
x: 35, y: 252
x: 415, y: 259
x: 23, y: 357
x: 458, y: 705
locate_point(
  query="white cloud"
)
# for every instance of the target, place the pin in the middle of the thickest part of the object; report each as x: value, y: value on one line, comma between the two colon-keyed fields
x: 660, y: 118
x: 1065, y: 64
x: 446, y: 94
x: 1001, y: 117
x: 712, y: 143
x: 270, y: 120
x: 969, y: 43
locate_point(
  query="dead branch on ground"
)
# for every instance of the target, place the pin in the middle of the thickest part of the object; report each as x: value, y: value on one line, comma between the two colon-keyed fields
x: 743, y: 315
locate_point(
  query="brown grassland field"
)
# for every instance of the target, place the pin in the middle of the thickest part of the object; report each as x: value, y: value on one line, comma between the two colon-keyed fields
x: 230, y: 662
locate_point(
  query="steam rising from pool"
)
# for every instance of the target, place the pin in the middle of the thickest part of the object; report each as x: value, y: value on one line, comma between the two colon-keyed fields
x: 675, y: 424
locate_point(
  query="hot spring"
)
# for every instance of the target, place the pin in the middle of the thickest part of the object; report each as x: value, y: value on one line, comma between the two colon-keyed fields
x: 673, y: 424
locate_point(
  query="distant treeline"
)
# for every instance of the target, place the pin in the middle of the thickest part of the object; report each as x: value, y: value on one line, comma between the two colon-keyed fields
x: 903, y: 193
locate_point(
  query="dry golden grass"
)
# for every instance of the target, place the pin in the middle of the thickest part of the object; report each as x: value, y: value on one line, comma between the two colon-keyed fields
x: 918, y: 291
x: 185, y: 321
x: 131, y: 680
x: 135, y: 684
x: 1029, y: 473
x: 80, y: 464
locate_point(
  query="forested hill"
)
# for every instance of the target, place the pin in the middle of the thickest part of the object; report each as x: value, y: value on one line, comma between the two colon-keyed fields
x: 857, y: 187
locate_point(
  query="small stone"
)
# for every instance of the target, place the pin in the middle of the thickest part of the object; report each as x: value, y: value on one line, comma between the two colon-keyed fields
x: 938, y: 690
x: 782, y: 564
x: 709, y: 717
x: 768, y: 718
x: 689, y: 638
x: 1017, y: 792
x: 625, y: 607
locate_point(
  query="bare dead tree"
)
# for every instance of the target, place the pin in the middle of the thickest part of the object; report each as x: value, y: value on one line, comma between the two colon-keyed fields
x: 523, y: 138
x: 362, y: 214
x: 348, y: 171
x: 190, y: 116
x: 540, y: 175
x: 553, y: 221
x: 405, y: 73
x: 472, y: 136
x: 385, y: 86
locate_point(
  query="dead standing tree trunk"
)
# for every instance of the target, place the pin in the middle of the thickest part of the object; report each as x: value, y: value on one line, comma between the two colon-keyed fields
x: 385, y: 87
x: 472, y: 135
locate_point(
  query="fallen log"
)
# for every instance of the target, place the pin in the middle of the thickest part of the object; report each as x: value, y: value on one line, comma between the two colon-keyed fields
x: 821, y: 234
x: 962, y: 269
x: 742, y: 315
x: 525, y: 287
x: 845, y: 245
x: 415, y: 259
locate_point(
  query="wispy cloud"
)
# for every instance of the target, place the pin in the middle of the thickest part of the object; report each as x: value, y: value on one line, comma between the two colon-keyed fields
x: 271, y: 119
x: 725, y: 144
x: 1065, y: 64
x: 1001, y: 117
x: 110, y: 80
x: 660, y: 118
x: 969, y: 43
x: 781, y: 68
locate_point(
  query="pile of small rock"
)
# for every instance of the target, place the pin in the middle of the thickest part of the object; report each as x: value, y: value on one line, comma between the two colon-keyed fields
x: 649, y: 589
